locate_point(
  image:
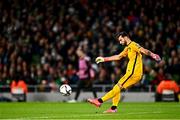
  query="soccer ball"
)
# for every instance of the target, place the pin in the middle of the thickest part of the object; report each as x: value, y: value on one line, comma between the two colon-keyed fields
x: 65, y: 90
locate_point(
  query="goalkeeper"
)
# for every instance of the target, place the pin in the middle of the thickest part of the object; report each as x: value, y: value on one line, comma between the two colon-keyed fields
x: 133, y: 74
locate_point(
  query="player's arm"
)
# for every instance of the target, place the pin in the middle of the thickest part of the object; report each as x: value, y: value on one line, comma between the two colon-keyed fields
x: 106, y: 59
x: 149, y: 53
x: 112, y: 58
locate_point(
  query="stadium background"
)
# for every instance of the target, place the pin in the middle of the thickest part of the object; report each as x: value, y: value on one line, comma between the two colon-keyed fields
x: 38, y: 39
x: 38, y: 43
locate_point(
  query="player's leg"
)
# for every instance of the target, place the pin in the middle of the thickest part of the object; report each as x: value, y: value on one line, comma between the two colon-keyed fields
x: 97, y: 102
x: 94, y: 92
x: 115, y: 101
x: 90, y: 87
x: 80, y: 85
x: 116, y: 98
x: 131, y: 81
x: 107, y: 96
x: 116, y: 90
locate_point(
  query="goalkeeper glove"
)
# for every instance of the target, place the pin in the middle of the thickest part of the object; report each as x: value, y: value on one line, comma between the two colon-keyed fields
x: 156, y: 57
x: 99, y: 60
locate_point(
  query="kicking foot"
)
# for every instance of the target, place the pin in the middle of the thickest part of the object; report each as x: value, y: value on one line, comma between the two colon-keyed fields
x: 110, y: 111
x: 94, y: 102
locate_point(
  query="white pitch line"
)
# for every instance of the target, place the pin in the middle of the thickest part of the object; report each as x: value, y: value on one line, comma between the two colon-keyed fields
x: 143, y: 112
x: 72, y: 117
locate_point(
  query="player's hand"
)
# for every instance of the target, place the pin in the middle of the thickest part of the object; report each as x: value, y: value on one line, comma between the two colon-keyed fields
x: 99, y: 60
x: 156, y: 57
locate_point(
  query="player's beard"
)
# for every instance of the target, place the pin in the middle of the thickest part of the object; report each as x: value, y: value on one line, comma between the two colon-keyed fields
x: 123, y: 43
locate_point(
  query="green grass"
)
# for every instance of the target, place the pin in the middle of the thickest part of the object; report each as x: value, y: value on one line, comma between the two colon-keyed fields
x: 76, y: 111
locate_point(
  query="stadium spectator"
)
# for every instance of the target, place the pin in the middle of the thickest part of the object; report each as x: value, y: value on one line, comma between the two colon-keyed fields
x: 34, y: 33
x: 71, y: 74
x: 167, y: 90
x: 19, y: 89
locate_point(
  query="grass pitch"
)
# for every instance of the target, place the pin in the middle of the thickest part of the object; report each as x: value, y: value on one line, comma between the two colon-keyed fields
x: 85, y: 111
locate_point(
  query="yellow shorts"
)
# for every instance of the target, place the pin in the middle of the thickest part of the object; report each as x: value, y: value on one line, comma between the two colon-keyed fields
x: 129, y: 79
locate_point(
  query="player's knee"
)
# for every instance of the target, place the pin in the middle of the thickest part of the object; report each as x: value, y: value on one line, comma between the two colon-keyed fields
x: 116, y: 88
x: 120, y: 86
x: 137, y: 77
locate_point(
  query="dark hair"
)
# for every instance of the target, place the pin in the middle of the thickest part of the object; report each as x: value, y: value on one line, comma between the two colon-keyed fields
x: 123, y: 34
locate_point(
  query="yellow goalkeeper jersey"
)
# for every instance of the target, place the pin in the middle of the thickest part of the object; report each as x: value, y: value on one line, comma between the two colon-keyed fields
x: 135, y: 65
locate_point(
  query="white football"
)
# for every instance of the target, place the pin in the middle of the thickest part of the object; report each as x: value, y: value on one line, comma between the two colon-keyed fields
x: 65, y: 90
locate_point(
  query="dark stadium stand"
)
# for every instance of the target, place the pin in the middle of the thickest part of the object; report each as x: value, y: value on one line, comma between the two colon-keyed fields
x: 38, y: 39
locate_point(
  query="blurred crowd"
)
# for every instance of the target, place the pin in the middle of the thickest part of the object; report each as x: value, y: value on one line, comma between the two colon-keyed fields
x: 39, y: 38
